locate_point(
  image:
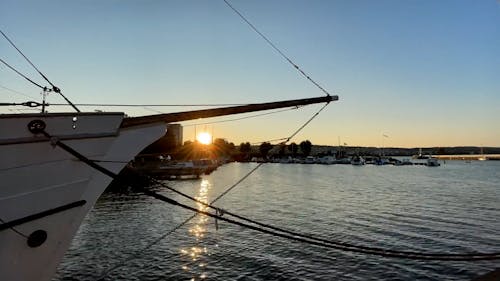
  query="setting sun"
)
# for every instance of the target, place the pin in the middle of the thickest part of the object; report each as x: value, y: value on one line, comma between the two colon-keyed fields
x: 204, y: 138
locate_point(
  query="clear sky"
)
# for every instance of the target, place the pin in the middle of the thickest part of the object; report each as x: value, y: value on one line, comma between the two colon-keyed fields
x: 424, y: 73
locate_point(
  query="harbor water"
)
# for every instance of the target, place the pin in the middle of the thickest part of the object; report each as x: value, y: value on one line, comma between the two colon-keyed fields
x: 451, y: 208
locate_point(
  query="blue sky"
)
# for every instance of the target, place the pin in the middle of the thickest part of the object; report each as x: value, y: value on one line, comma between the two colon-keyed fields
x: 425, y: 73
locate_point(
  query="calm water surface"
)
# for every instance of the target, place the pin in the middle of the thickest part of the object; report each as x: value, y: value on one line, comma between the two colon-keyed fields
x: 452, y: 208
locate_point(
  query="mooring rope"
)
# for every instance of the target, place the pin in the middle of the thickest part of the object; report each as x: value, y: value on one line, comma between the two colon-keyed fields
x: 295, y: 236
x: 137, y: 253
x: 14, y: 229
x: 306, y: 236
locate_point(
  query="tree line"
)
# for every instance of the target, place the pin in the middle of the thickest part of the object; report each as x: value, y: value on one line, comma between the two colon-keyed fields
x: 279, y: 150
x: 221, y: 148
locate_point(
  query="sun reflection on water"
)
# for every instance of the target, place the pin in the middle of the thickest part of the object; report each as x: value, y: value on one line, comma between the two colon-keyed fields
x: 195, y: 256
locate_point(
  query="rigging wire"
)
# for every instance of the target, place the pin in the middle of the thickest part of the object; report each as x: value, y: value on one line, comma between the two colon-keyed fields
x: 308, y: 236
x: 15, y: 230
x: 280, y: 140
x: 283, y: 141
x: 278, y: 232
x: 54, y: 88
x: 276, y: 48
x: 16, y: 92
x: 28, y: 104
x: 22, y: 75
x: 26, y: 58
x: 147, y: 191
x: 328, y: 244
x: 242, y: 118
x: 292, y: 235
x: 306, y: 123
x: 153, y: 110
x: 149, y: 105
x: 138, y: 253
x: 152, y: 243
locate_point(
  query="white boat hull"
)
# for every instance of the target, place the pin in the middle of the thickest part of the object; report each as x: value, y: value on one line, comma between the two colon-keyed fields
x: 37, y: 176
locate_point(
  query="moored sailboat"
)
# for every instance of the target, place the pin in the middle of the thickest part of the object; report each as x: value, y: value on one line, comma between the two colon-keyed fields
x: 46, y: 192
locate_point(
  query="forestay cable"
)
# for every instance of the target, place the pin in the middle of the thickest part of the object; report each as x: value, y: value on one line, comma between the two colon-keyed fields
x: 22, y: 75
x: 17, y: 92
x: 276, y: 48
x: 26, y: 58
x: 54, y: 88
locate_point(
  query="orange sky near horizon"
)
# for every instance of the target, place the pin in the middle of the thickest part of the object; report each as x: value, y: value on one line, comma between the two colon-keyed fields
x: 425, y: 75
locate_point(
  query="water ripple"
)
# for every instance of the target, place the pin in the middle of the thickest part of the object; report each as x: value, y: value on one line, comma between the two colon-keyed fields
x: 452, y: 208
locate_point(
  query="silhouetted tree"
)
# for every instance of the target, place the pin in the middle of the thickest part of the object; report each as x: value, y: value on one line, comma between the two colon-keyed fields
x: 264, y: 149
x: 281, y: 151
x: 245, y: 147
x: 441, y: 151
x: 221, y: 147
x: 305, y: 147
x: 189, y: 150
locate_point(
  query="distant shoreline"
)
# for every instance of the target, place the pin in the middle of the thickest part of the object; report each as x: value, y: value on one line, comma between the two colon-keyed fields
x: 397, y: 151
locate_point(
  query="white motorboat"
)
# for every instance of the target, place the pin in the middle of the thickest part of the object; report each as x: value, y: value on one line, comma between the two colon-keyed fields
x: 170, y: 169
x: 327, y: 160
x: 310, y: 160
x: 357, y: 161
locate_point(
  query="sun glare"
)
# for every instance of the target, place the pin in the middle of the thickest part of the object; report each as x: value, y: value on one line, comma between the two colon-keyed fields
x: 204, y: 138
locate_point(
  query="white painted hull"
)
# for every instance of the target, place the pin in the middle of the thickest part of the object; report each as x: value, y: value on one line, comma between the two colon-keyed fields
x: 36, y: 176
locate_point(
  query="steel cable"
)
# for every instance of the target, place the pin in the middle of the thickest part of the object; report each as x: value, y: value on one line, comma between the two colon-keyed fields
x: 276, y: 48
x: 54, y: 88
x: 289, y: 234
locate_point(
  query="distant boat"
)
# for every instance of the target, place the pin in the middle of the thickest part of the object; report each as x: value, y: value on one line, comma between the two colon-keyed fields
x: 342, y: 160
x: 174, y: 169
x: 420, y: 155
x: 482, y: 157
x: 432, y: 162
x: 357, y: 161
x: 327, y: 160
x: 287, y: 160
x: 310, y: 160
x: 403, y: 162
x: 380, y: 161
